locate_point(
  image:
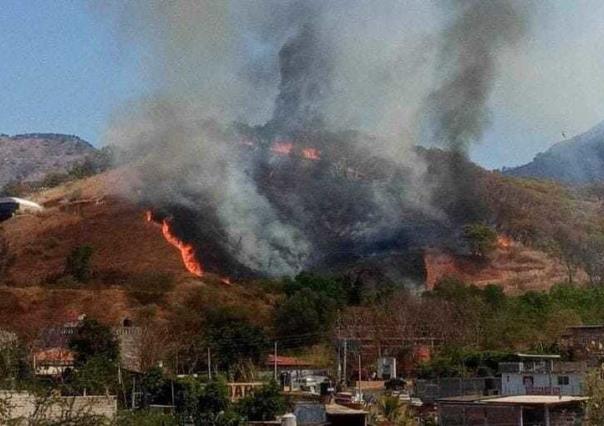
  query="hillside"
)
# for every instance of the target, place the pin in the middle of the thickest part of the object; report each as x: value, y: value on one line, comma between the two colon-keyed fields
x: 29, y: 157
x: 135, y: 270
x: 96, y: 213
x: 578, y: 160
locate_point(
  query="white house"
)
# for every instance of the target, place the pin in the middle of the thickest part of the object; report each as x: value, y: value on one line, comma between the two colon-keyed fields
x: 542, y: 375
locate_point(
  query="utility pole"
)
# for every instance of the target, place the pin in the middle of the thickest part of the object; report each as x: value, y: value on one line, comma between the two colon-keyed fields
x: 339, y: 362
x: 345, y: 359
x: 275, y: 362
x: 360, y: 377
x: 209, y: 364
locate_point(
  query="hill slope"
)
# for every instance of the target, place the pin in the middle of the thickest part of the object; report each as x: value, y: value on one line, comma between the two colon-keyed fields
x: 577, y: 160
x: 134, y: 269
x: 30, y: 157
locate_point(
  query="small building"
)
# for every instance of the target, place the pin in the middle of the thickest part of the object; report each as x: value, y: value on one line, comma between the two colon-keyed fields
x: 53, y: 362
x: 386, y: 368
x: 339, y: 415
x: 517, y: 410
x: 584, y: 343
x: 287, y: 363
x: 542, y: 375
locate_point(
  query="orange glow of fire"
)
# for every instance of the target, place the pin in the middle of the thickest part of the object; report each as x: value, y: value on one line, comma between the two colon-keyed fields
x: 504, y: 242
x: 187, y: 251
x: 282, y: 148
x: 311, y: 154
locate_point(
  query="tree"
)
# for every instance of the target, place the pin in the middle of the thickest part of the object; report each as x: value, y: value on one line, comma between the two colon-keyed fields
x: 594, y: 389
x: 306, y: 313
x: 263, y: 404
x: 153, y: 386
x: 592, y: 257
x: 393, y: 411
x: 233, y: 339
x: 145, y: 418
x: 78, y: 263
x: 93, y: 339
x: 205, y: 404
x: 97, y: 376
x: 481, y: 239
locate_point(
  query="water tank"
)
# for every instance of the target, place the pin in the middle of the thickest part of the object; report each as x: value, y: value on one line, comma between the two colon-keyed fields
x: 288, y: 420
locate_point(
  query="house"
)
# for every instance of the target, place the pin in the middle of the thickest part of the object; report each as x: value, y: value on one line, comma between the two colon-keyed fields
x: 541, y: 375
x: 309, y: 413
x: 295, y: 373
x: 53, y: 362
x: 339, y: 415
x: 584, y: 343
x: 54, y: 342
x: 517, y: 410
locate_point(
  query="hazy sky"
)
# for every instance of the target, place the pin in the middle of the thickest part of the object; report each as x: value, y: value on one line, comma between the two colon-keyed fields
x: 62, y: 70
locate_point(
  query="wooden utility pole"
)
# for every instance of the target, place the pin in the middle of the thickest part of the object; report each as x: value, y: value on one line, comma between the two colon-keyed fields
x: 360, y: 377
x: 275, y: 362
x: 209, y: 364
x: 345, y: 360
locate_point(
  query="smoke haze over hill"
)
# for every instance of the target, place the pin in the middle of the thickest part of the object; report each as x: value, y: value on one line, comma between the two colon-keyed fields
x: 312, y: 89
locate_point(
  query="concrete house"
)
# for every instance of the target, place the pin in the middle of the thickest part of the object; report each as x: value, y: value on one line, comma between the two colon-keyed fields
x: 542, y: 375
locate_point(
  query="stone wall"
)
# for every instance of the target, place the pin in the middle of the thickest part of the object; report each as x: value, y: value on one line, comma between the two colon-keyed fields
x: 26, y: 408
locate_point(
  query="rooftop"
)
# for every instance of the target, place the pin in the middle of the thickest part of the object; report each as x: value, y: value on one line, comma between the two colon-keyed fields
x: 535, y: 399
x: 341, y: 410
x: 517, y: 399
x: 286, y: 361
x: 538, y: 356
x: 586, y: 326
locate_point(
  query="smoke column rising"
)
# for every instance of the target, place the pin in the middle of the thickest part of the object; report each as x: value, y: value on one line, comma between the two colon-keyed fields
x: 471, y: 43
x: 301, y: 70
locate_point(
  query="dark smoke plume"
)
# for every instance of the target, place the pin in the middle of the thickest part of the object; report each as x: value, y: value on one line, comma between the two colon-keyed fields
x: 472, y: 42
x: 305, y: 69
x: 281, y: 134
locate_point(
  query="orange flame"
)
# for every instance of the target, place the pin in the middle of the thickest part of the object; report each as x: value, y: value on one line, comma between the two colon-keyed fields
x: 311, y: 154
x: 187, y: 251
x: 504, y: 242
x: 282, y: 148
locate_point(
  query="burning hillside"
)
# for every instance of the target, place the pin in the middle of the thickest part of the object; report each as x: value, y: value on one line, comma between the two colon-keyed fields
x: 254, y: 164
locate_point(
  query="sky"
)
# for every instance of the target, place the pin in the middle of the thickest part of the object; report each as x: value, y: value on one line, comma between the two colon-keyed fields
x: 64, y: 70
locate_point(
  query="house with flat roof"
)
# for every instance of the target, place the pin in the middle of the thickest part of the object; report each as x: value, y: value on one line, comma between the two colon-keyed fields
x: 517, y: 410
x: 542, y: 375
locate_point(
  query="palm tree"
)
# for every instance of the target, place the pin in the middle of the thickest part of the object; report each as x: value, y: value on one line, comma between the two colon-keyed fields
x: 392, y: 411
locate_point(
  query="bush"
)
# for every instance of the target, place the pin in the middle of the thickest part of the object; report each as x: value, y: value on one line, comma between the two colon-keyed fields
x: 263, y: 404
x: 145, y: 418
x: 305, y: 313
x: 481, y: 239
x: 78, y: 263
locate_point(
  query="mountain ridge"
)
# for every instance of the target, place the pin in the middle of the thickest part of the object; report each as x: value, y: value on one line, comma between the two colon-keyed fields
x: 31, y: 156
x: 578, y: 160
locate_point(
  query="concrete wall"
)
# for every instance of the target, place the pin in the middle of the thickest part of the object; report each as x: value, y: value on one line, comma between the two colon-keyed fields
x: 26, y: 408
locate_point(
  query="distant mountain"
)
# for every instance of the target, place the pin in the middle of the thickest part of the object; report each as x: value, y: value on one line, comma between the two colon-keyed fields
x: 29, y: 157
x: 577, y: 160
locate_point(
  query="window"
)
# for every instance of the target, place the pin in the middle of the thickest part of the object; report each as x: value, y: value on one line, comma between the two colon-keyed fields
x: 563, y: 380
